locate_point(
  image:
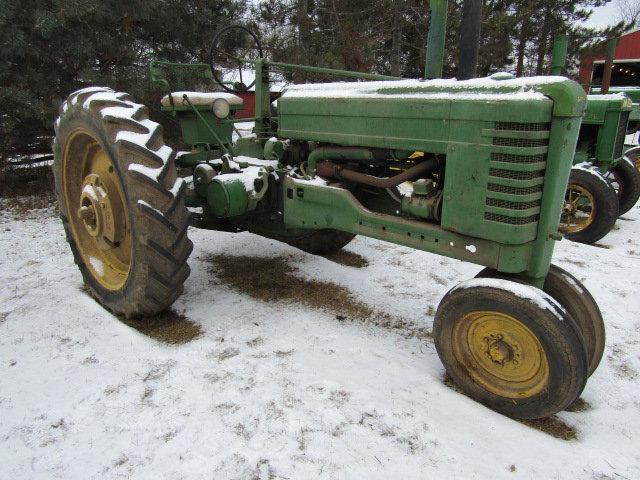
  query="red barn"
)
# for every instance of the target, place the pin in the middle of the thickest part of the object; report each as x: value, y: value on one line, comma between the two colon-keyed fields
x: 626, y: 64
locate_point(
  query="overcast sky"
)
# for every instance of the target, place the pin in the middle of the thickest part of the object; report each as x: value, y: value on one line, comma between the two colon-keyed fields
x: 604, y: 16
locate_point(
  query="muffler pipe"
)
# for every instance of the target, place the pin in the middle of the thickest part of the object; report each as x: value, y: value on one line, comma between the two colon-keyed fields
x: 331, y: 170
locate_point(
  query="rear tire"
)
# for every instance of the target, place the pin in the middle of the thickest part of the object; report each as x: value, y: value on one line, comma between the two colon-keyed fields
x: 625, y: 178
x: 321, y: 242
x: 591, y: 206
x: 520, y: 353
x: 109, y: 157
x: 633, y: 154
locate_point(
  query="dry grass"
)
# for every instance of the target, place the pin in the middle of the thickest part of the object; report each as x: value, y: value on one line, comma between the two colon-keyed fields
x: 20, y: 205
x: 273, y: 279
x: 348, y: 259
x: 553, y: 426
x: 579, y: 405
x: 167, y: 327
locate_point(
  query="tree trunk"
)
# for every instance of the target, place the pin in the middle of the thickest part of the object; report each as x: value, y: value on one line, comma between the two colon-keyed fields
x: 396, y: 38
x: 522, y: 46
x: 469, y: 43
x: 304, y: 37
x: 543, y: 40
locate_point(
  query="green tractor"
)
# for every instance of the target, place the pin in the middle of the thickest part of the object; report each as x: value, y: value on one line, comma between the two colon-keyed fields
x: 488, y: 162
x: 603, y: 183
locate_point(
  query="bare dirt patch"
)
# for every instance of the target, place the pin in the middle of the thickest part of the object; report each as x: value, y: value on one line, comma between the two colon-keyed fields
x: 553, y: 426
x: 348, y: 259
x: 579, y: 405
x: 167, y: 327
x: 272, y: 279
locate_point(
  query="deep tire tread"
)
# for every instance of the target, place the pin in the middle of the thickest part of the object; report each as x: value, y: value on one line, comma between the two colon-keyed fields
x: 157, y: 209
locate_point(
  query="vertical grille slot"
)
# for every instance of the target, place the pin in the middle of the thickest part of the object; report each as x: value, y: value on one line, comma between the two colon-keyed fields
x: 516, y: 175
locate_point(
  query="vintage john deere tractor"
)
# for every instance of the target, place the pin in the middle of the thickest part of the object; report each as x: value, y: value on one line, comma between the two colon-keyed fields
x: 488, y: 162
x: 603, y: 184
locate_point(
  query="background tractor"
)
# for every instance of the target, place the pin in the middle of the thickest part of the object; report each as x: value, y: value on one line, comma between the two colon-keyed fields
x: 488, y: 162
x: 603, y: 184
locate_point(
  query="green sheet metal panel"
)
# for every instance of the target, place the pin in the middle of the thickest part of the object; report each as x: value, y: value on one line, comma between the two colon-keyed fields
x: 495, y: 138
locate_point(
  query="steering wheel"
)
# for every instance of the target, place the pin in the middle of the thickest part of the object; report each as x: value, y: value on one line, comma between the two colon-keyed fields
x: 231, y: 47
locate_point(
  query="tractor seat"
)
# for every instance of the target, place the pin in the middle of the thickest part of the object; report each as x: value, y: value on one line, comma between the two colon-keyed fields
x: 200, y: 98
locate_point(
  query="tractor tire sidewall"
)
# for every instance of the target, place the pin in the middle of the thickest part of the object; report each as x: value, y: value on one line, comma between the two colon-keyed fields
x: 606, y: 205
x: 560, y: 338
x: 629, y: 178
x: 140, y: 295
x: 569, y: 292
x: 583, y: 310
x: 78, y: 117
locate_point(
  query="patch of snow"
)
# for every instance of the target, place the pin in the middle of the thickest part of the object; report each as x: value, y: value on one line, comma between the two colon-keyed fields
x: 628, y: 160
x: 247, y: 177
x: 313, y: 181
x: 303, y: 395
x: 148, y: 172
x: 142, y: 202
x: 177, y: 185
x: 606, y: 98
x: 75, y: 94
x: 470, y: 248
x: 102, y: 96
x: 406, y: 189
x: 484, y: 89
x: 533, y: 294
x: 201, y: 98
x: 97, y: 265
x: 592, y: 169
x: 257, y: 162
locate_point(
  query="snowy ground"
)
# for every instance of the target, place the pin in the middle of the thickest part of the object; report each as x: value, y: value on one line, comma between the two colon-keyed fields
x: 279, y: 389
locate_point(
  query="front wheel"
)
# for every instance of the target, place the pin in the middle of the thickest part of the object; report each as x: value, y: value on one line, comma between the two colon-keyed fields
x: 569, y: 292
x: 121, y: 202
x: 511, y: 347
x: 590, y: 207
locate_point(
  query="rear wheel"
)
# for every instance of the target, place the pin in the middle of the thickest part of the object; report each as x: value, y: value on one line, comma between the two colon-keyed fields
x: 121, y: 202
x: 633, y: 154
x: 321, y: 242
x: 569, y: 292
x: 625, y: 179
x: 590, y: 208
x: 518, y: 353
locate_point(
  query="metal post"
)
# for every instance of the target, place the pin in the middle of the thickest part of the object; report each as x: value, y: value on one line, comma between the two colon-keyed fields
x: 435, y: 39
x: 608, y: 66
x: 469, y: 42
x: 262, y: 99
x: 559, y: 54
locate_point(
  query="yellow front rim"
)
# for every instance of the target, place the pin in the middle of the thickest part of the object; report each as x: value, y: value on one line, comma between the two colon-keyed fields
x: 97, y: 210
x: 579, y: 209
x: 501, y: 354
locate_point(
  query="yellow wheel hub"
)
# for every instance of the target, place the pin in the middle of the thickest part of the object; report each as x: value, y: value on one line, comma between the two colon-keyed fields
x: 578, y: 210
x: 97, y: 210
x: 501, y: 354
